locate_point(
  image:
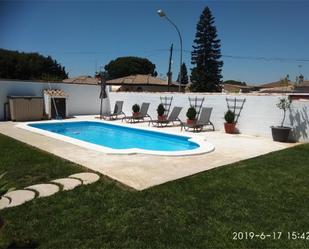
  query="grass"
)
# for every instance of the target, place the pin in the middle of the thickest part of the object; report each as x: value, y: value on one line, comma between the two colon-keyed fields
x: 26, y: 165
x: 265, y: 194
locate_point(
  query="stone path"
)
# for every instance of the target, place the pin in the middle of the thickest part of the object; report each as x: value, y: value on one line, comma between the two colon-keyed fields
x: 18, y: 197
x: 44, y: 189
x: 86, y: 178
x: 4, y: 202
x: 68, y: 183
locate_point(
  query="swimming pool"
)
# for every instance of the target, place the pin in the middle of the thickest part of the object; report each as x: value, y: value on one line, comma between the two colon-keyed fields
x: 120, y: 139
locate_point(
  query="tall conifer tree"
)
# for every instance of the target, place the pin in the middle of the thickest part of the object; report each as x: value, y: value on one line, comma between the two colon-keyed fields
x: 184, y: 72
x: 206, y: 54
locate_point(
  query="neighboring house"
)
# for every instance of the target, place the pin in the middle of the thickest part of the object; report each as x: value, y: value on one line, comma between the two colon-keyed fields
x: 273, y: 84
x: 276, y: 87
x: 83, y: 79
x: 302, y: 87
x: 230, y: 88
x: 131, y: 83
x: 301, y: 91
x: 279, y: 89
x: 141, y: 83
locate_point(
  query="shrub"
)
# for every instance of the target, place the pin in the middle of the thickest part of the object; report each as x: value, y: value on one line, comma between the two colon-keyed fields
x: 284, y: 104
x: 160, y: 110
x: 229, y: 117
x: 191, y: 113
x: 136, y: 108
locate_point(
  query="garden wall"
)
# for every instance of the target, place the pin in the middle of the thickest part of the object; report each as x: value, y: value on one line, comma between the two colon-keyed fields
x: 82, y: 99
x: 259, y: 112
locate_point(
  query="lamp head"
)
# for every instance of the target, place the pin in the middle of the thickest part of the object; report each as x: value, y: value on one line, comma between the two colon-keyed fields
x: 161, y: 13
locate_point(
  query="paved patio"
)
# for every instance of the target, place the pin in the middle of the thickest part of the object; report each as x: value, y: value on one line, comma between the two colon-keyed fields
x: 144, y: 171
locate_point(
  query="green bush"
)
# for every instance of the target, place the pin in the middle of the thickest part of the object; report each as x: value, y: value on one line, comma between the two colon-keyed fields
x: 160, y: 110
x: 191, y: 113
x: 136, y: 108
x: 284, y: 104
x: 229, y: 117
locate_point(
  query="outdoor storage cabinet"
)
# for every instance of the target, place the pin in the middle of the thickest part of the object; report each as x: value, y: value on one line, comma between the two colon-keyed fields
x: 26, y: 108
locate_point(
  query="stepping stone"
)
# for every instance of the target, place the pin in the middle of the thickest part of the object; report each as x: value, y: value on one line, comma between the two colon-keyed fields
x: 45, y: 189
x: 19, y: 197
x: 87, y: 178
x: 68, y: 183
x: 4, y: 202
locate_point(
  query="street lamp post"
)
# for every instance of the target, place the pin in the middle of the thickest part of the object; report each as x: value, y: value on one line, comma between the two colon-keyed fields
x: 161, y: 13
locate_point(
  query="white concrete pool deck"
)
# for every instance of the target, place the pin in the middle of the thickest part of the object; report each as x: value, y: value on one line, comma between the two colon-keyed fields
x: 142, y: 171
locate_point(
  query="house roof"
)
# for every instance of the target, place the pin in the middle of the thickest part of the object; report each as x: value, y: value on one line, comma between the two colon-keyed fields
x: 302, y: 87
x: 278, y: 89
x: 305, y: 83
x: 234, y: 88
x: 274, y: 84
x: 138, y: 79
x: 82, y: 79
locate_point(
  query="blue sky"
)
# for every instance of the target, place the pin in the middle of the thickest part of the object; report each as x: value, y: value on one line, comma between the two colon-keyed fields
x: 84, y: 35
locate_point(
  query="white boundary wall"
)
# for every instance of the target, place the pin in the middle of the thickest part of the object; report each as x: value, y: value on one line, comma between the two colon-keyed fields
x: 259, y: 112
x: 82, y: 99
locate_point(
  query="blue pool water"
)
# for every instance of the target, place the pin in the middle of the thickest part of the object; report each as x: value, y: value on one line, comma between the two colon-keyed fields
x: 119, y: 137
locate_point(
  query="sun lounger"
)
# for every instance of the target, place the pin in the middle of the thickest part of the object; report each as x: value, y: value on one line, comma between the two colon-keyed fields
x: 142, y: 115
x: 117, y: 111
x: 172, y: 118
x: 203, y: 120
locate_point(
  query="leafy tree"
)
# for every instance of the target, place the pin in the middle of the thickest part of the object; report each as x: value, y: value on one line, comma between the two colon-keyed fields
x: 29, y: 66
x: 184, y: 71
x: 206, y: 54
x: 124, y: 66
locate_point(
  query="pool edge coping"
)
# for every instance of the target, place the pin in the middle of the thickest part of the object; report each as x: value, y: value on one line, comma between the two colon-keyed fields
x: 205, y: 146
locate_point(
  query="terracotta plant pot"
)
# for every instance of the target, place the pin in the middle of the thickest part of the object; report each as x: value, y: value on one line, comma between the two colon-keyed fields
x: 162, y: 118
x: 191, y: 121
x: 229, y: 128
x: 136, y: 114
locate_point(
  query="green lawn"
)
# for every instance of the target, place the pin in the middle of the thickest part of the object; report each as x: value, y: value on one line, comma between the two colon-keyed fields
x: 265, y: 194
x: 26, y: 165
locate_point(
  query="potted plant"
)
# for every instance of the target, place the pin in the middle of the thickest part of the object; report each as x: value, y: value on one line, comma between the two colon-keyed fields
x: 230, y: 123
x: 281, y: 133
x: 191, y: 115
x: 136, y: 108
x: 160, y: 111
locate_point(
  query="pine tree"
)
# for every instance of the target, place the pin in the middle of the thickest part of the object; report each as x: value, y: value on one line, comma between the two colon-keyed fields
x: 206, y: 54
x: 184, y: 71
